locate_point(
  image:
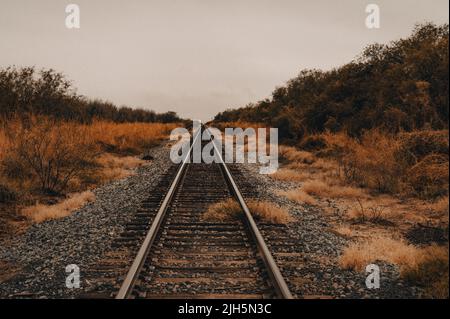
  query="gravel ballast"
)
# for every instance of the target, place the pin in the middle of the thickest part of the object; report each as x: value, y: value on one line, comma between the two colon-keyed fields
x: 42, y: 253
x: 319, y: 270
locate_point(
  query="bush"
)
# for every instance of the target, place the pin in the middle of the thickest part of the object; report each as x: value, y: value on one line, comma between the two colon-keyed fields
x: 429, y: 177
x: 413, y: 163
x: 27, y: 91
x: 415, y: 146
x: 49, y: 153
x: 313, y: 143
x: 7, y: 194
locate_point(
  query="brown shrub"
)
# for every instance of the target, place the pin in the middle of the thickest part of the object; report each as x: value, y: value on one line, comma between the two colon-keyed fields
x: 299, y: 196
x: 369, y: 212
x: 290, y: 175
x: 128, y: 138
x: 410, y: 163
x: 268, y: 212
x: 223, y: 211
x: 338, y: 145
x: 440, y: 206
x: 49, y: 153
x: 53, y: 155
x: 415, y: 146
x: 7, y: 194
x: 429, y: 177
x: 372, y: 163
x: 323, y: 189
x: 313, y: 143
x: 293, y: 155
x: 261, y: 210
x: 360, y: 254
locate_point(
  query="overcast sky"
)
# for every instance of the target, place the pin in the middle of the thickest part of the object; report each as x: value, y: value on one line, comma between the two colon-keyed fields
x: 197, y: 57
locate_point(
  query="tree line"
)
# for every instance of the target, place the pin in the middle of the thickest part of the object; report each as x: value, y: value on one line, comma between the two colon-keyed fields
x: 26, y: 91
x: 400, y: 86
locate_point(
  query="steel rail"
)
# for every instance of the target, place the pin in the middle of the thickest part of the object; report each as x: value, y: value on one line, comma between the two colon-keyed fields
x: 278, y: 281
x: 133, y: 273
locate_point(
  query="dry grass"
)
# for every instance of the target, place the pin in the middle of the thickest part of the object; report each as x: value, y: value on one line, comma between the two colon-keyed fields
x: 413, y: 163
x: 441, y: 206
x: 269, y: 212
x: 290, y: 175
x: 369, y: 211
x: 128, y: 138
x: 223, y: 211
x: 427, y: 267
x: 230, y: 209
x: 323, y: 189
x: 50, y: 156
x: 115, y: 167
x: 344, y: 231
x: 40, y: 213
x: 48, y: 153
x: 299, y: 196
x: 294, y: 155
x: 432, y: 272
x: 41, y: 157
x: 359, y: 254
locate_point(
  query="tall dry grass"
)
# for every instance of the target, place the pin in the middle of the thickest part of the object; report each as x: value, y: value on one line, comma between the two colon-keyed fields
x: 48, y: 155
x: 39, y: 213
x: 426, y: 266
x: 225, y: 210
x: 128, y: 138
x: 230, y: 209
x: 299, y: 196
x: 269, y: 212
x: 413, y: 163
x: 41, y: 157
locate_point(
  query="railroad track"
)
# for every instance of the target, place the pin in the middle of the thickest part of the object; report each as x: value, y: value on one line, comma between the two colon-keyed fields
x: 183, y: 256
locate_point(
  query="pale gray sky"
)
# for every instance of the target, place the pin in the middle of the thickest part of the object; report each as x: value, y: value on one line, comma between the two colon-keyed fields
x: 197, y: 57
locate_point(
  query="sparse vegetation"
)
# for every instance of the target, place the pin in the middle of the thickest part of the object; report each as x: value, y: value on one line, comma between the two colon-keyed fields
x: 43, y: 158
x: 269, y: 212
x: 299, y: 196
x: 54, y: 141
x: 286, y: 174
x: 427, y: 267
x: 222, y: 211
x: 115, y: 167
x: 431, y: 272
x: 344, y: 231
x: 230, y: 209
x: 39, y: 213
x: 323, y: 189
x: 359, y: 254
x: 48, y: 155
